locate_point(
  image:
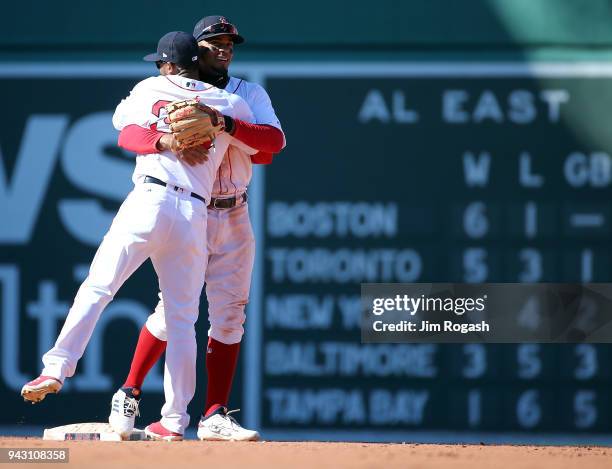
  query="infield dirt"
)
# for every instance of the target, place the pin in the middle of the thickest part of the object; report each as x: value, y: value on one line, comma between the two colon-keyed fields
x: 152, y: 455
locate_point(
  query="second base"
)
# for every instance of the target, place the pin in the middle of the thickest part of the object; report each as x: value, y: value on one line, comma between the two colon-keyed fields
x: 91, y: 431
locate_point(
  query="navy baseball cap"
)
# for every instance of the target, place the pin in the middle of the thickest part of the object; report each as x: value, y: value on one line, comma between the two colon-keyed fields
x: 176, y: 47
x: 216, y: 25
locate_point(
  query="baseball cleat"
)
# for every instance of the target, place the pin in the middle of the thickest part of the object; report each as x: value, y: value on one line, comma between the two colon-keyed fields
x: 36, y: 390
x: 124, y: 410
x: 221, y: 426
x: 156, y: 431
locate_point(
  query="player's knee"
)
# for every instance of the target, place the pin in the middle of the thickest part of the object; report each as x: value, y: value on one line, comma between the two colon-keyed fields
x: 180, y: 332
x: 94, y: 294
x: 229, y: 310
x: 227, y: 328
x: 180, y: 320
x: 226, y: 320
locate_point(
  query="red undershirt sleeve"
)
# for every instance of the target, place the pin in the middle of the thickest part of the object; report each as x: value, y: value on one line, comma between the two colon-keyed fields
x: 262, y: 158
x: 139, y: 140
x: 264, y: 138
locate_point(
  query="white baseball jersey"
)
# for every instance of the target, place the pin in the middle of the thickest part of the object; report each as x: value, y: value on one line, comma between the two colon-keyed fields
x: 231, y: 244
x: 235, y: 172
x: 145, y: 107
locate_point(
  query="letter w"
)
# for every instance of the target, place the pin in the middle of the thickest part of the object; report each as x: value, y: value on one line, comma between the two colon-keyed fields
x: 476, y: 169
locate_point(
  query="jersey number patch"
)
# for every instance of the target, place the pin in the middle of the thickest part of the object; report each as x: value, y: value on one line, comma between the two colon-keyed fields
x: 157, y: 110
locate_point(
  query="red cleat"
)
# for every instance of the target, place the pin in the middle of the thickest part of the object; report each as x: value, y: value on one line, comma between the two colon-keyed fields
x: 36, y: 390
x: 156, y: 431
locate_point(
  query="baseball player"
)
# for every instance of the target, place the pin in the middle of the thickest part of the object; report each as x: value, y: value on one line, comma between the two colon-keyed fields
x: 231, y: 244
x: 163, y: 218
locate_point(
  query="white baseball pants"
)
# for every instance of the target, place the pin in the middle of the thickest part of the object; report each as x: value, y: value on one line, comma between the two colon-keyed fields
x: 231, y: 253
x: 170, y: 228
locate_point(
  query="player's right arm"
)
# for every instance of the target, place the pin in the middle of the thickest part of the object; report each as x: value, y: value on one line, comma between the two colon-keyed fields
x: 144, y: 141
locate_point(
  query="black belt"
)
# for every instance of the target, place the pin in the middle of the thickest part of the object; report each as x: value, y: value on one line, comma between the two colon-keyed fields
x: 223, y: 203
x: 153, y: 180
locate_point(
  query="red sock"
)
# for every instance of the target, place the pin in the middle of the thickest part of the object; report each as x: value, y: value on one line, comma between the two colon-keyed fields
x: 148, y: 350
x: 221, y: 361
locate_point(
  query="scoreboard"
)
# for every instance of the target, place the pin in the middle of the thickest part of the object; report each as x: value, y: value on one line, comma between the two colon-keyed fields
x: 332, y: 383
x: 441, y: 172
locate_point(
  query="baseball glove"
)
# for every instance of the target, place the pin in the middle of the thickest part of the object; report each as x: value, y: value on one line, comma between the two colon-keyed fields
x: 194, y: 124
